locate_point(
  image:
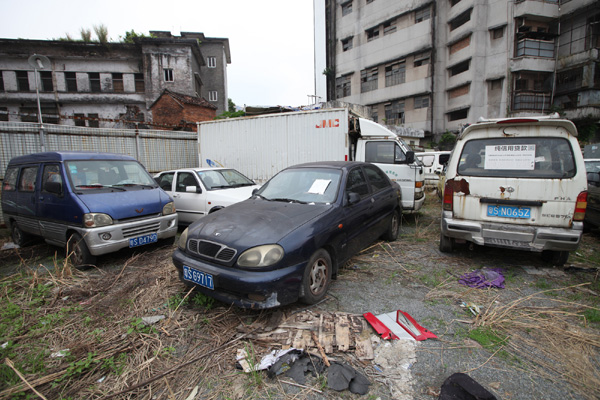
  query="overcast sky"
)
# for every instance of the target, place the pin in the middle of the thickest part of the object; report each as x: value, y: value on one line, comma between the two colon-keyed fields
x: 271, y: 41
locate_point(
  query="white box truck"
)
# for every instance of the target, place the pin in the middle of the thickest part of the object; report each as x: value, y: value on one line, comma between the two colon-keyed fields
x: 261, y: 146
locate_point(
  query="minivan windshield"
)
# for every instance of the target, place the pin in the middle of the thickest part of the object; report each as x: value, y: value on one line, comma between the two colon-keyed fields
x: 98, y: 174
x: 303, y: 185
x: 533, y: 157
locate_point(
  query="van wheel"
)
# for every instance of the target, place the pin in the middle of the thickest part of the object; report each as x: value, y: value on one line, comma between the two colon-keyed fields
x: 393, y: 227
x: 446, y: 243
x: 558, y: 258
x: 19, y: 237
x: 78, y: 252
x: 317, y: 277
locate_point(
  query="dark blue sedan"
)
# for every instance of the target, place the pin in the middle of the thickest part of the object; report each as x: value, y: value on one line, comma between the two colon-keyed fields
x: 288, y: 240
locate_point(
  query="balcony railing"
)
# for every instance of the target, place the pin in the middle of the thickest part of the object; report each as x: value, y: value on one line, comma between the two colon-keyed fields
x: 535, y: 48
x: 539, y: 101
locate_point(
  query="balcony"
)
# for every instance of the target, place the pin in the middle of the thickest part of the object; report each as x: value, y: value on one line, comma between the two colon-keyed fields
x: 545, y: 9
x: 534, y: 48
x: 531, y: 101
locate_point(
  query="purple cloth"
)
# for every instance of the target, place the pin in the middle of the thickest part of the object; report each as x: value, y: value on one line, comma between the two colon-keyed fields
x: 482, y: 278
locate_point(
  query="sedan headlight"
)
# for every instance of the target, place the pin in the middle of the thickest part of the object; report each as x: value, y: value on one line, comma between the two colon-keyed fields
x: 261, y: 256
x: 169, y: 208
x: 95, y: 220
x: 183, y: 240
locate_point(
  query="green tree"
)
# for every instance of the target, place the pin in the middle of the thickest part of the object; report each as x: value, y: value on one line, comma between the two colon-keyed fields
x: 131, y: 35
x: 447, y: 141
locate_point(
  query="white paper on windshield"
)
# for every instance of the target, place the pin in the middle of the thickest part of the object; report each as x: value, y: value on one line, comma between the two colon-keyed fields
x: 521, y: 156
x: 319, y: 186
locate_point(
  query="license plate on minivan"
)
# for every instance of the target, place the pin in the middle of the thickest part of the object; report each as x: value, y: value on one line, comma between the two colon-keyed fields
x: 142, y: 240
x: 198, y: 277
x: 509, y: 212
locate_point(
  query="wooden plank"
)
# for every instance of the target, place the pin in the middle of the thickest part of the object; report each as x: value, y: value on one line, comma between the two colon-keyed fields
x: 364, y: 348
x: 328, y: 340
x: 342, y: 333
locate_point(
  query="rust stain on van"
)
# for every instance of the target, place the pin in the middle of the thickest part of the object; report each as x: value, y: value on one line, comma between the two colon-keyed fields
x: 461, y: 186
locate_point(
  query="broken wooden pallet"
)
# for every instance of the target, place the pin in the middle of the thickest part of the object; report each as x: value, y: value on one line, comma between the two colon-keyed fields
x: 335, y: 332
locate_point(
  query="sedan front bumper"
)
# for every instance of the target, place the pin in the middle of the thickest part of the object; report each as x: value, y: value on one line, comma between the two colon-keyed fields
x: 256, y: 289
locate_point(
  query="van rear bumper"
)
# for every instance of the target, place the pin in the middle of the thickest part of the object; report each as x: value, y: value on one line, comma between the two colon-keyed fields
x: 513, y: 236
x: 108, y: 239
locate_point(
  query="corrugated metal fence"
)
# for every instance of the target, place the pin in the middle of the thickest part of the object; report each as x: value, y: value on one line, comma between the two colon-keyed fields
x: 157, y: 150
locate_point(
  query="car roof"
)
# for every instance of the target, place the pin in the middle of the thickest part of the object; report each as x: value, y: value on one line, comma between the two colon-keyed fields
x: 329, y: 164
x: 500, y: 124
x: 196, y: 169
x: 59, y: 156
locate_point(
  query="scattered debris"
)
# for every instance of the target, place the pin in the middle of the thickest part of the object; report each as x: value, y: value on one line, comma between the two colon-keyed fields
x: 544, y: 271
x: 60, y: 353
x: 152, y: 320
x: 482, y: 278
x: 398, y: 325
x: 341, y: 377
x: 474, y: 308
x: 461, y: 386
x: 10, y: 245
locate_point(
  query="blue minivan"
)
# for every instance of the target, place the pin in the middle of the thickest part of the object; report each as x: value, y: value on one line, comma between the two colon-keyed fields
x: 90, y: 203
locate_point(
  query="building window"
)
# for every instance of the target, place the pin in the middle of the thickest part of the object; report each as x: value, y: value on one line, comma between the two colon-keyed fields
x: 94, y: 82
x: 461, y: 44
x: 496, y: 84
x: 394, y: 113
x: 497, y: 33
x: 370, y: 1
x: 117, y: 79
x: 571, y: 80
x: 1, y: 82
x: 421, y: 102
x: 94, y: 122
x: 532, y: 91
x: 211, y: 62
x: 3, y: 113
x: 346, y: 8
x: 454, y: 2
x: 212, y: 95
x: 342, y: 86
x: 22, y: 81
x: 422, y: 59
x: 460, y: 68
x: 389, y: 27
x: 46, y: 78
x: 79, y: 119
x: 535, y: 48
x: 460, y: 20
x: 71, y: 81
x: 168, y: 72
x: 346, y: 44
x: 592, y: 37
x: 395, y: 73
x: 459, y: 91
x: 422, y: 15
x: 368, y: 79
x: 458, y: 114
x: 139, y: 83
x: 372, y: 33
x: 374, y: 114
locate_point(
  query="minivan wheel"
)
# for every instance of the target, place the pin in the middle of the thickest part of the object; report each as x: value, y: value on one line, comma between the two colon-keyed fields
x: 78, y: 251
x: 393, y: 227
x: 317, y: 277
x: 19, y: 237
x: 558, y: 258
x: 446, y: 243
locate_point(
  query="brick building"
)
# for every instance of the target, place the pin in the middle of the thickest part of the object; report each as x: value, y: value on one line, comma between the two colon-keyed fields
x: 111, y: 84
x: 178, y: 109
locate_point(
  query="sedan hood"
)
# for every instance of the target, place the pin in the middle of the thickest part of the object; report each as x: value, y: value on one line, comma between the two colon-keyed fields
x: 227, y: 196
x: 254, y: 222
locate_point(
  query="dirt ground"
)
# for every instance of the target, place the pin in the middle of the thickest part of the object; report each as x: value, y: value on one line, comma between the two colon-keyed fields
x: 80, y: 334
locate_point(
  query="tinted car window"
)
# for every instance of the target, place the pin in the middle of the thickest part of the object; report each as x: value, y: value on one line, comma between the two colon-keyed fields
x: 185, y: 179
x: 518, y: 158
x: 357, y: 182
x: 377, y: 178
x: 10, y: 179
x: 51, y: 174
x: 27, y: 181
x: 383, y: 152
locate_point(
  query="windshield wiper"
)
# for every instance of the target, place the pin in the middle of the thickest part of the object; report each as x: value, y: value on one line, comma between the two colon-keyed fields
x: 289, y: 200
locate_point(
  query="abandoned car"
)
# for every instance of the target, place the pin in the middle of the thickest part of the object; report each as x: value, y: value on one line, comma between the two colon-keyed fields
x: 201, y: 191
x: 516, y: 183
x: 287, y: 242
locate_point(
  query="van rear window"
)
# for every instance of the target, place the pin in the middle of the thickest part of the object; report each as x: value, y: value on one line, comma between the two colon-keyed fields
x: 518, y: 158
x: 10, y: 179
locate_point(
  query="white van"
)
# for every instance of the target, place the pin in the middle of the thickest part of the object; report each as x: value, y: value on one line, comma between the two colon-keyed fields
x: 433, y: 165
x: 517, y: 183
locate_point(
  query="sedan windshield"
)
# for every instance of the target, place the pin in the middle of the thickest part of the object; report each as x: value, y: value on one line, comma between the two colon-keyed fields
x: 98, y: 174
x: 223, y: 179
x: 303, y: 185
x: 592, y: 166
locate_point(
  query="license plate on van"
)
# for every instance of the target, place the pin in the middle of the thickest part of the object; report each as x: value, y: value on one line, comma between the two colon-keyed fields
x: 142, y: 240
x: 509, y: 212
x: 198, y: 277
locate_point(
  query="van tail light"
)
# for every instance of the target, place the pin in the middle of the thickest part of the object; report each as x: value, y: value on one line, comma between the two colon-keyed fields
x: 448, y: 195
x: 580, y: 207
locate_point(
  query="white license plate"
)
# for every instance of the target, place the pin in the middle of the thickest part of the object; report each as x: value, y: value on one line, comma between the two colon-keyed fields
x: 142, y: 240
x: 198, y: 277
x: 509, y: 212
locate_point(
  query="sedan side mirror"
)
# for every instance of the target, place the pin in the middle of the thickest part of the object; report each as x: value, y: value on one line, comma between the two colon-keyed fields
x: 193, y: 189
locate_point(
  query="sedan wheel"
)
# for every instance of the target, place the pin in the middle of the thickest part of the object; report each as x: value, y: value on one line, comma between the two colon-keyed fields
x: 317, y: 277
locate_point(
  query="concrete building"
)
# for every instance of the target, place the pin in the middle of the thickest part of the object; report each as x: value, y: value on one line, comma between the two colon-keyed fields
x: 436, y: 65
x: 111, y: 84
